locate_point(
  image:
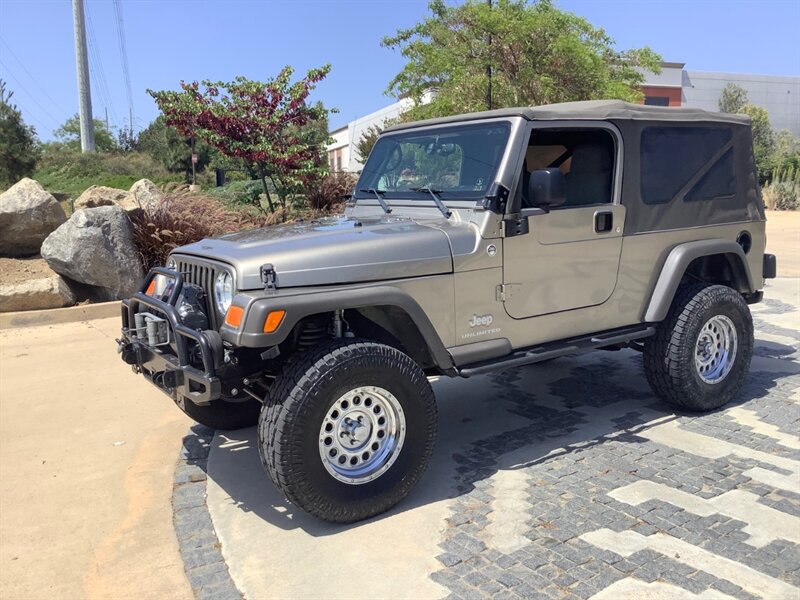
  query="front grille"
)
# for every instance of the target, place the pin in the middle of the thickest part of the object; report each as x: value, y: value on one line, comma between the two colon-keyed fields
x: 204, y: 275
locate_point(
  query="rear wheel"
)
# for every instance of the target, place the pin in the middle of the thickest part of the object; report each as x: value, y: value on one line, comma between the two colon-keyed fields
x: 701, y: 352
x: 348, y: 429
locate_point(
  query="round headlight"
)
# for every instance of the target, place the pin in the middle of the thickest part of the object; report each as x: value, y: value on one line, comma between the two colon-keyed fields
x: 223, y: 291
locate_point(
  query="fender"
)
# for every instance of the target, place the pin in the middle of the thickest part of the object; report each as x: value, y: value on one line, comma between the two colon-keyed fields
x: 678, y: 261
x: 298, y: 306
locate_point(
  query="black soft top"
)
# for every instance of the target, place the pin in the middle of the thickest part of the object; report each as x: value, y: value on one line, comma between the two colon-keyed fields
x: 597, y: 110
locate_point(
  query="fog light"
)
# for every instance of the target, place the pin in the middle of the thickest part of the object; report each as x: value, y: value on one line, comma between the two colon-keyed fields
x: 273, y: 320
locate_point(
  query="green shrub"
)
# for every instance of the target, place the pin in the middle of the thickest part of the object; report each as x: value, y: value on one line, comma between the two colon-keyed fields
x: 67, y: 171
x: 783, y: 192
x: 239, y: 193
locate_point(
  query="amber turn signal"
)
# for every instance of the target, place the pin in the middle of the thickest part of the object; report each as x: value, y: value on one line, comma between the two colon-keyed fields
x: 234, y: 316
x: 151, y: 289
x: 274, y: 320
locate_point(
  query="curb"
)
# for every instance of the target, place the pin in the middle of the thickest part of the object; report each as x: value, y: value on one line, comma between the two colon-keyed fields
x: 198, y: 544
x: 54, y: 316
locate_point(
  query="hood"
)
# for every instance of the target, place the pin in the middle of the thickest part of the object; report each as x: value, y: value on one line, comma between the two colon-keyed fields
x: 332, y: 250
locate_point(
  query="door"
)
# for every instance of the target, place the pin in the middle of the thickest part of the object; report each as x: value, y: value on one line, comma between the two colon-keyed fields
x: 569, y: 258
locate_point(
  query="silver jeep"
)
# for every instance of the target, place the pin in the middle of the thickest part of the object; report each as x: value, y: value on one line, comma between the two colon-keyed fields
x: 470, y: 244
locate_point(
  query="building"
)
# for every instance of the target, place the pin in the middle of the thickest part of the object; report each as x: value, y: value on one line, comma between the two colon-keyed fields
x: 342, y: 152
x: 674, y: 86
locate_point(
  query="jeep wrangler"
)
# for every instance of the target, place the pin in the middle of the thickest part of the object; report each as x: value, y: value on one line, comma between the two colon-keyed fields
x: 470, y: 244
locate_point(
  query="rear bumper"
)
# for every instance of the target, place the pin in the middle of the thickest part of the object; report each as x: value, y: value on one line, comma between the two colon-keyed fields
x: 770, y: 266
x: 172, y: 372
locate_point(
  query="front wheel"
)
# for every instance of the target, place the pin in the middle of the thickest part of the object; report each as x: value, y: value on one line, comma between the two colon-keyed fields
x: 701, y: 352
x: 348, y: 429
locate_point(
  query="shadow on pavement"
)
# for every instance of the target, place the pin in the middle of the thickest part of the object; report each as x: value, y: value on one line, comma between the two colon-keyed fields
x: 506, y: 420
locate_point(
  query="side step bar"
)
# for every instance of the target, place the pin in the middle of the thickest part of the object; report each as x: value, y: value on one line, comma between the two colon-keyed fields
x: 550, y: 350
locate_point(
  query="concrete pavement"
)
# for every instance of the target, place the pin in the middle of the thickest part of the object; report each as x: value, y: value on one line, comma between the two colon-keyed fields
x: 87, y: 455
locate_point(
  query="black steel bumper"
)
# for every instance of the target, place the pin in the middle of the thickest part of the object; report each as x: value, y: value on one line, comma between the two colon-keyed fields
x: 171, y: 372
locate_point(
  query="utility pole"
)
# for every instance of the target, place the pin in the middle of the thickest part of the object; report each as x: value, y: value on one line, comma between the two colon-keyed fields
x: 82, y: 67
x: 489, y: 67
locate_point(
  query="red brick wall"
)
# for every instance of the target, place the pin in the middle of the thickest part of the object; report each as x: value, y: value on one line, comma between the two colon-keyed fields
x: 673, y: 93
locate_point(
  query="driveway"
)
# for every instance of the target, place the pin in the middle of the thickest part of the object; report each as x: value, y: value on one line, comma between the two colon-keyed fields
x: 87, y: 456
x: 563, y: 480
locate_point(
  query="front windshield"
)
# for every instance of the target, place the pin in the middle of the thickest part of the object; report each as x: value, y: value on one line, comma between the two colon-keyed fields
x: 457, y: 162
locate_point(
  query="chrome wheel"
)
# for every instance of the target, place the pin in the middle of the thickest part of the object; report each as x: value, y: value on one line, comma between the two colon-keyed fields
x: 716, y: 347
x: 362, y: 435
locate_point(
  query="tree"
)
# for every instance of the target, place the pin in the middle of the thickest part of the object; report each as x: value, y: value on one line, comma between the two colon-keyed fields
x: 367, y: 141
x: 172, y: 149
x: 19, y: 149
x: 533, y: 53
x: 127, y: 140
x: 69, y: 134
x: 732, y: 99
x: 264, y: 124
x: 787, y: 152
x: 763, y: 139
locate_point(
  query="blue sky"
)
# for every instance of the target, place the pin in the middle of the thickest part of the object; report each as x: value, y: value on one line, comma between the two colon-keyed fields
x: 170, y: 40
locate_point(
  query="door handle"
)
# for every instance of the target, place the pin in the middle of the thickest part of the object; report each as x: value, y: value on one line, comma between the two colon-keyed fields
x: 603, y: 221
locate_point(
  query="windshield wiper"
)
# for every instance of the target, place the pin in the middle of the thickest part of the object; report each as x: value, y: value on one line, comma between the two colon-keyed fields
x: 437, y: 200
x: 379, y: 195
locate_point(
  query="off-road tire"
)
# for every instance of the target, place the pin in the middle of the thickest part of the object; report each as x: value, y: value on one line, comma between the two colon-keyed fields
x: 302, y: 395
x: 224, y: 415
x: 669, y: 356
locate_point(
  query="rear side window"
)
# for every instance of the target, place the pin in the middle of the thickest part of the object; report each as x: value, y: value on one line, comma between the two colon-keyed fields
x: 694, y: 162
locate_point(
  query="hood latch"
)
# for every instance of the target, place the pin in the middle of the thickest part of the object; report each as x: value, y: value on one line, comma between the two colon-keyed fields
x: 269, y: 277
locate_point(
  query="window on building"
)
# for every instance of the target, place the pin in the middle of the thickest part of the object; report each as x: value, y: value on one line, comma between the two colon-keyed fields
x: 656, y: 100
x: 335, y: 159
x: 696, y: 163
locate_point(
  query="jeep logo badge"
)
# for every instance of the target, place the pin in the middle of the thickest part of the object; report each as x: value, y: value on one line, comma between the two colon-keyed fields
x: 481, y: 320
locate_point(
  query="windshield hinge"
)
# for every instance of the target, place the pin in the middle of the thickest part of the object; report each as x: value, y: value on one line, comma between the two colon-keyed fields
x: 496, y: 198
x: 269, y: 277
x: 514, y: 226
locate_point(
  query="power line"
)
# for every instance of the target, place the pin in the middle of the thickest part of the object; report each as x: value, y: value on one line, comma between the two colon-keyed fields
x: 32, y: 78
x: 33, y: 99
x: 102, y: 82
x: 123, y: 52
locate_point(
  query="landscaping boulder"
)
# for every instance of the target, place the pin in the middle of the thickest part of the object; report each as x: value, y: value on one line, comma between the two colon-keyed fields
x: 146, y: 194
x: 28, y: 214
x: 36, y: 294
x: 96, y: 247
x: 100, y: 195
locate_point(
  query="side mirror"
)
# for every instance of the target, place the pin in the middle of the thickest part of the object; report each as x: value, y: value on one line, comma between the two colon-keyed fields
x: 546, y: 188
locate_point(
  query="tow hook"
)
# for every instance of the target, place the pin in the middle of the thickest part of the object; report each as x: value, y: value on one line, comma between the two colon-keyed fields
x: 128, y: 352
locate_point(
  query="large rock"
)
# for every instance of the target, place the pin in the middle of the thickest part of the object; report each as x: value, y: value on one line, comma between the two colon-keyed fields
x: 100, y: 195
x: 95, y: 247
x: 28, y: 214
x: 146, y: 194
x: 36, y: 294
